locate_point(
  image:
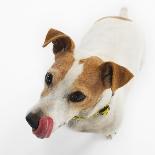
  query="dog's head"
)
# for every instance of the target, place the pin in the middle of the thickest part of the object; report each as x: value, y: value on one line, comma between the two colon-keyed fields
x: 71, y: 85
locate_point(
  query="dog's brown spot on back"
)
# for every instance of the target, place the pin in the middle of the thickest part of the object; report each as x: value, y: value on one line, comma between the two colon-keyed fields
x: 89, y: 82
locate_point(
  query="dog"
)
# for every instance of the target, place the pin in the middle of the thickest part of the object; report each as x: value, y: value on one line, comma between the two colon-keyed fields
x: 86, y: 87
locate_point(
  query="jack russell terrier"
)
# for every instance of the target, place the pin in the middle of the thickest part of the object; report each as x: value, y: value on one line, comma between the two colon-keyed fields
x: 86, y: 87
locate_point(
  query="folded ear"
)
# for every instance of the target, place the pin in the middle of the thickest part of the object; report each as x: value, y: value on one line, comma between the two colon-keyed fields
x: 114, y: 76
x: 61, y: 42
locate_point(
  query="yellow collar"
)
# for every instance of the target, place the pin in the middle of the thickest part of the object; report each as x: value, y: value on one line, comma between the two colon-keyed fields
x: 103, y: 112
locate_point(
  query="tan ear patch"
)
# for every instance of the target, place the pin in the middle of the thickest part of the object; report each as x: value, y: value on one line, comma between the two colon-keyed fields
x: 114, y: 75
x: 61, y: 41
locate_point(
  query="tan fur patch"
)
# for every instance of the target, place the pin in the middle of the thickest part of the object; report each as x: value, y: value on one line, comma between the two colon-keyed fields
x: 59, y: 69
x: 89, y: 82
x: 63, y: 47
x: 116, y: 17
x: 63, y: 64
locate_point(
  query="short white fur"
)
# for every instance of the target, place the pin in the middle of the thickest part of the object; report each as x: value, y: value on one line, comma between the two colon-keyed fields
x: 55, y: 104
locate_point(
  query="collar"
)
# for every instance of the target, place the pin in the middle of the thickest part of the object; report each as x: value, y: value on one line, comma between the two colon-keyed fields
x: 102, y: 112
x: 99, y: 109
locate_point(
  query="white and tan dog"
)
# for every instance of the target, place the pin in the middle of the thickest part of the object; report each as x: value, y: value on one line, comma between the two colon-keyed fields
x: 86, y: 87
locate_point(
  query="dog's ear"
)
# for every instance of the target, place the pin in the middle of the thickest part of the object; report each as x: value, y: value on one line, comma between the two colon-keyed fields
x: 114, y: 76
x: 61, y: 42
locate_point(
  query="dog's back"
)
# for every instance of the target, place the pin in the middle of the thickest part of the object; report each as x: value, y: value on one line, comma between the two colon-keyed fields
x: 114, y: 38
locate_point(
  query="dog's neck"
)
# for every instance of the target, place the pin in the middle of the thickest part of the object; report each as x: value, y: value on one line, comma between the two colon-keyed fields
x: 103, y: 101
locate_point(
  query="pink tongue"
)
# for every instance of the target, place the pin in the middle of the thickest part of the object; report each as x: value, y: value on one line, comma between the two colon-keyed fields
x: 45, y: 127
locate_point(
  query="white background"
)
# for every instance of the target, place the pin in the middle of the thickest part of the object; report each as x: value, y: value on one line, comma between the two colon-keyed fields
x: 23, y: 64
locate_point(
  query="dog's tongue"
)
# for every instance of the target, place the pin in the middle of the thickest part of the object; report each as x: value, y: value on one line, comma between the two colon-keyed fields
x: 45, y: 127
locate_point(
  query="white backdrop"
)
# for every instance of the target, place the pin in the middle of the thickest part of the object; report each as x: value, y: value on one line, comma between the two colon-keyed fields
x: 23, y: 64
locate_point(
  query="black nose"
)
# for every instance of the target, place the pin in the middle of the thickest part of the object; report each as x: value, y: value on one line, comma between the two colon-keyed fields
x: 33, y: 120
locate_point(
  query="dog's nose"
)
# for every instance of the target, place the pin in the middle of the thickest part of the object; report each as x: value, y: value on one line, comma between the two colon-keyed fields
x: 33, y: 120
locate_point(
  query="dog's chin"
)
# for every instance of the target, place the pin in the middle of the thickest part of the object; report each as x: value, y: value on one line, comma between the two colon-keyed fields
x: 45, y: 127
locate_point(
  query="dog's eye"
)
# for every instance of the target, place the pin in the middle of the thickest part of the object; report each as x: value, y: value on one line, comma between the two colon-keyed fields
x: 48, y: 78
x: 76, y: 96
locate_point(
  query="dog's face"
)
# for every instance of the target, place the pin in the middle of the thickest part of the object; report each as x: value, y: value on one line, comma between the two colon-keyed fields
x: 71, y: 85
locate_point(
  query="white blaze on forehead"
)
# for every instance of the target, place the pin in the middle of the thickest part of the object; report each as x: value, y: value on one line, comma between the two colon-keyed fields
x: 55, y: 104
x: 64, y: 85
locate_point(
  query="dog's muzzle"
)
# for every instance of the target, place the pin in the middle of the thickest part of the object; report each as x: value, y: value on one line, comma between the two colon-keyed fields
x: 41, y: 125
